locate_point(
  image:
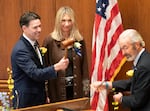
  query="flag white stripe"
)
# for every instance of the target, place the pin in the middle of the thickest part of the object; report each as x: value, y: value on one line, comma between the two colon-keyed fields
x: 98, y: 40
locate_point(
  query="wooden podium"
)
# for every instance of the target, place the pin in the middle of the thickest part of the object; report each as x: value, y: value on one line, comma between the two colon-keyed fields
x: 81, y: 104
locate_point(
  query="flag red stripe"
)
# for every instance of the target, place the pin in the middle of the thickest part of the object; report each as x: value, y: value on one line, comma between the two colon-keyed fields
x: 96, y: 95
x: 95, y: 101
x: 96, y: 24
x: 106, y: 106
x: 114, y: 38
x: 104, y: 62
x: 100, y: 68
x: 114, y: 11
x: 107, y: 28
x: 114, y: 65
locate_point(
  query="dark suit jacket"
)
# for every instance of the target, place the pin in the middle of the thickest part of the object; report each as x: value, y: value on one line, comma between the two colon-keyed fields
x: 29, y: 75
x: 139, y: 85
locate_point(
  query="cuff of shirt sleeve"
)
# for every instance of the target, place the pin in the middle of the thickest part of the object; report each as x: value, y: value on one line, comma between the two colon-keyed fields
x: 54, y: 70
x: 121, y: 99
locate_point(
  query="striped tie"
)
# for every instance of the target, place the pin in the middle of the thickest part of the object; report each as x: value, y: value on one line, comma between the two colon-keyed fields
x: 38, y: 51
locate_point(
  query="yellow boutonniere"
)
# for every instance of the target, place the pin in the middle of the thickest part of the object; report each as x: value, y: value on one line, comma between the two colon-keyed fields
x: 43, y: 50
x: 130, y: 73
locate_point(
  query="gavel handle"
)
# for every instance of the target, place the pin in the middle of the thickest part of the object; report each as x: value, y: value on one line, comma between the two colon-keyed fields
x: 66, y: 53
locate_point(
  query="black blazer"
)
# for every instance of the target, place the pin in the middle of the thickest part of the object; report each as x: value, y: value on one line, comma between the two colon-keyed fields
x: 139, y: 85
x: 29, y: 75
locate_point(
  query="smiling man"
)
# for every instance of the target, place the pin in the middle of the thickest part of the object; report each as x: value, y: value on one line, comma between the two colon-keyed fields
x: 29, y: 73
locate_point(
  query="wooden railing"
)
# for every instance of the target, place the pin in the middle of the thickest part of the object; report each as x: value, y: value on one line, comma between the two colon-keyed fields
x: 4, y: 86
x: 81, y: 104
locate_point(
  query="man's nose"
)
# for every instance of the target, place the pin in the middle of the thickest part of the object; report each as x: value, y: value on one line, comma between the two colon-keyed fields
x: 39, y: 29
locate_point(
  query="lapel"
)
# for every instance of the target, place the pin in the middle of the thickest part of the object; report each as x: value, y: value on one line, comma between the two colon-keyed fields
x: 31, y: 49
x: 135, y: 76
x: 140, y: 59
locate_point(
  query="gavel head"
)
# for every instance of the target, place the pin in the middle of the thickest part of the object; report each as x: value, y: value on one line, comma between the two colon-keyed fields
x: 67, y: 42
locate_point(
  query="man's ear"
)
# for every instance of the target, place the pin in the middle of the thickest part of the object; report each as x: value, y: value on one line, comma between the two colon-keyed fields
x: 137, y: 44
x: 24, y: 27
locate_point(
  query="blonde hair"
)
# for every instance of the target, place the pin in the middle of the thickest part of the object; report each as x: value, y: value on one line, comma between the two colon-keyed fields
x: 57, y: 34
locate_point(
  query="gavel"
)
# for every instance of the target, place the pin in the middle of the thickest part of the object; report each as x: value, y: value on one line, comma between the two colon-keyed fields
x: 66, y: 43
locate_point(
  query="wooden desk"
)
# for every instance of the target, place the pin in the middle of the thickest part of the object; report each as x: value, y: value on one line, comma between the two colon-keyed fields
x: 81, y: 104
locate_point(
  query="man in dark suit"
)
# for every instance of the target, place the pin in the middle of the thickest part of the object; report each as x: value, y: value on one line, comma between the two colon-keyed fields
x: 132, y: 46
x: 29, y: 73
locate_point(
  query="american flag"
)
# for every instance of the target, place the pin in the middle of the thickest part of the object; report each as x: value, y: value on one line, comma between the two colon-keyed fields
x: 107, y: 58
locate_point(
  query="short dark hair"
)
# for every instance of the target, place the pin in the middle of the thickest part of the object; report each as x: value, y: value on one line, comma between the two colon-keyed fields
x: 27, y: 17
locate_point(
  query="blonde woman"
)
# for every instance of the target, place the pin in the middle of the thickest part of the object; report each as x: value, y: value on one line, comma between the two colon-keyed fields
x: 73, y: 82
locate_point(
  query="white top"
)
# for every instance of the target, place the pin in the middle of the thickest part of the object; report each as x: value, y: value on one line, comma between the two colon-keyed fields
x: 37, y: 49
x: 138, y: 56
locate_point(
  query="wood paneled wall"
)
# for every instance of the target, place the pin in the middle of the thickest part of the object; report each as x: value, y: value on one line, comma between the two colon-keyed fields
x: 10, y: 12
x: 135, y: 14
